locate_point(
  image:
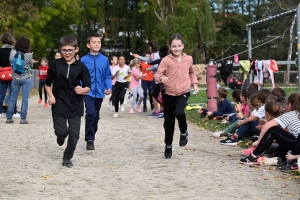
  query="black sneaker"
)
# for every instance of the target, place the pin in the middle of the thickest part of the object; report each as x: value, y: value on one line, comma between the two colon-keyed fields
x: 144, y: 109
x: 249, y: 160
x: 60, y: 141
x: 229, y: 141
x: 168, y: 151
x: 290, y: 166
x: 9, y: 121
x: 183, y: 139
x: 67, y: 162
x: 90, y: 145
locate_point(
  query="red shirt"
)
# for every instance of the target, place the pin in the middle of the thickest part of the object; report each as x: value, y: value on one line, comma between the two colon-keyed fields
x: 43, y: 72
x: 149, y: 76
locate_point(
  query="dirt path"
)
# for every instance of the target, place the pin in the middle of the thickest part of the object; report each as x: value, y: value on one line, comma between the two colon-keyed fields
x: 128, y: 163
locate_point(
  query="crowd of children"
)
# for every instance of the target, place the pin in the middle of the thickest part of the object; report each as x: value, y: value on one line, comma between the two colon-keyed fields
x: 271, y: 122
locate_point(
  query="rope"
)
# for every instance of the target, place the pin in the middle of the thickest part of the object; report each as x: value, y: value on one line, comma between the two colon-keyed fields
x: 249, y: 49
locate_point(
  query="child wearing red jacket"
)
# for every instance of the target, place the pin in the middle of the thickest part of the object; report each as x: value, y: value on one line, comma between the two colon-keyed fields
x: 43, y: 69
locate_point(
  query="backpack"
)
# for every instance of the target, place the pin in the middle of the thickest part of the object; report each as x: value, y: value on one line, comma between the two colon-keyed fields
x: 18, y: 63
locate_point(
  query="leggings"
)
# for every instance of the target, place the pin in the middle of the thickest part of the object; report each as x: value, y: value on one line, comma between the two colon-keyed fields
x: 41, y: 86
x: 135, y: 92
x: 120, y: 91
x: 285, y: 140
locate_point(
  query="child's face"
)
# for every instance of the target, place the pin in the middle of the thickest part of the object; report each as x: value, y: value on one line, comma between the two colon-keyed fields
x: 121, y: 61
x: 57, y: 55
x: 176, y: 47
x: 114, y: 61
x: 94, y: 45
x: 68, y: 52
x: 243, y: 99
x: 44, y: 63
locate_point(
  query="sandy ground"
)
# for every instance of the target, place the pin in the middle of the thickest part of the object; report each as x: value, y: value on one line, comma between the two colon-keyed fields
x: 128, y: 163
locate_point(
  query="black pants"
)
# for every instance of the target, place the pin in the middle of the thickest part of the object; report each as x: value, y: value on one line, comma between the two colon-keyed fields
x: 174, y: 107
x: 120, y: 91
x: 285, y: 140
x: 42, y: 86
x: 112, y: 97
x: 62, y: 130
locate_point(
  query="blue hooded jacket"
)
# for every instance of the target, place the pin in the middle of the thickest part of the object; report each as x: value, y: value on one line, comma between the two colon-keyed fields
x: 99, y: 69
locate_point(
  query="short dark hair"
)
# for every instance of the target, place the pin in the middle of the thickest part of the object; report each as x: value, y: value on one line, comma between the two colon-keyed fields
x: 252, y: 86
x: 278, y: 92
x: 23, y: 44
x: 8, y: 38
x: 163, y: 51
x: 176, y: 37
x: 93, y: 35
x: 236, y: 94
x: 223, y: 92
x: 262, y: 94
x: 154, y: 46
x: 68, y: 40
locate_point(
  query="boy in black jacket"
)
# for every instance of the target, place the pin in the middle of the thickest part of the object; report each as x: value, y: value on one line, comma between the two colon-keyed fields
x: 71, y: 80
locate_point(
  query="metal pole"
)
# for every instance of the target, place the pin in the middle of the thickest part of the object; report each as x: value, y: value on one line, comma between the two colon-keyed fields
x: 298, y: 45
x: 249, y: 49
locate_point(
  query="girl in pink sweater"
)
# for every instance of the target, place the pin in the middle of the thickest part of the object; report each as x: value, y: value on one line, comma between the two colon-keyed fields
x: 177, y: 74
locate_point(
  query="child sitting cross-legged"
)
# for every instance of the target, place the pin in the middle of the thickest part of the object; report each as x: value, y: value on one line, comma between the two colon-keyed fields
x: 224, y: 106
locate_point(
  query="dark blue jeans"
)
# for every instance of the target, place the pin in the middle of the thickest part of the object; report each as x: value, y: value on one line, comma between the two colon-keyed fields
x: 92, y: 116
x: 245, y: 127
x: 62, y: 130
x: 146, y: 85
x: 5, y: 86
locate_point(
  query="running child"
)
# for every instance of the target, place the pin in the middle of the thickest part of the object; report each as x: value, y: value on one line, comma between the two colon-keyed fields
x: 71, y: 80
x: 177, y: 74
x: 114, y: 62
x: 135, y: 86
x: 42, y: 76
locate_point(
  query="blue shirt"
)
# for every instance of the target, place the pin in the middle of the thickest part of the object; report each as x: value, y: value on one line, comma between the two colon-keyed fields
x: 224, y: 107
x: 99, y: 69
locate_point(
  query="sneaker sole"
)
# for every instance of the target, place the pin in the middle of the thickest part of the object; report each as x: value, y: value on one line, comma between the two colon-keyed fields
x: 249, y: 163
x: 229, y: 144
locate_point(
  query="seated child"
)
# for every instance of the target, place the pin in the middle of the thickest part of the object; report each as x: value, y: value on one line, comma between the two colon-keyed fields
x: 224, y: 106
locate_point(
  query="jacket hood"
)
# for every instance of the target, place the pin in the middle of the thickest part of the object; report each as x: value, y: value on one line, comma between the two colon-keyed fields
x: 7, y: 46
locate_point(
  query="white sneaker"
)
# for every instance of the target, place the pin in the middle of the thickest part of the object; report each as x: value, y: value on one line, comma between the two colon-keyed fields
x: 218, y: 134
x: 17, y: 115
x: 269, y: 161
x: 122, y: 108
x: 108, y: 105
x: 116, y: 115
x: 1, y: 115
x: 125, y: 102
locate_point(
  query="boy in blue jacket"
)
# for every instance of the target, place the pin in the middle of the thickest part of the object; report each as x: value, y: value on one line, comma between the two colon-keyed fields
x: 224, y: 106
x: 101, y: 85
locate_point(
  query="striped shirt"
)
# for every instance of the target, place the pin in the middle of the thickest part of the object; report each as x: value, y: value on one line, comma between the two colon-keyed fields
x: 290, y: 121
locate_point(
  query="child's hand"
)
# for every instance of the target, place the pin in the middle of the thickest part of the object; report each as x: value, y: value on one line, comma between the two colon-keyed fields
x: 200, y: 111
x: 240, y: 123
x: 290, y: 156
x: 209, y: 113
x: 51, y: 100
x: 107, y: 92
x: 254, y: 144
x: 78, y: 90
x: 135, y: 55
x: 164, y: 79
x: 239, y: 115
x: 262, y: 121
x: 238, y: 107
x: 196, y: 89
x: 259, y: 126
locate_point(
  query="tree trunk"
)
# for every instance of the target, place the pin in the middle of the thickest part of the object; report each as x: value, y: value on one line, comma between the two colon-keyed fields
x: 290, y: 50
